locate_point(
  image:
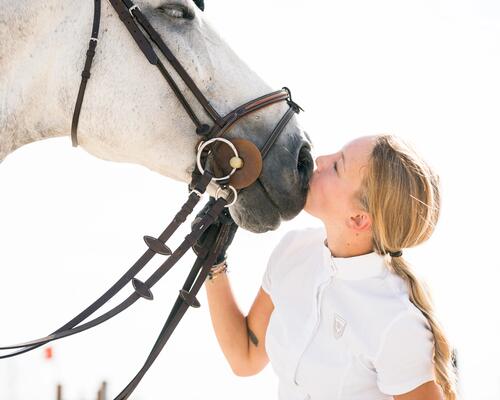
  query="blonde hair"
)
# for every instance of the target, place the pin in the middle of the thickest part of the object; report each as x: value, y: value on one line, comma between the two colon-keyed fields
x: 401, y: 194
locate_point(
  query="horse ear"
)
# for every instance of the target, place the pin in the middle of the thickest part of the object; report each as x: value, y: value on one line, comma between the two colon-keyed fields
x: 200, y: 4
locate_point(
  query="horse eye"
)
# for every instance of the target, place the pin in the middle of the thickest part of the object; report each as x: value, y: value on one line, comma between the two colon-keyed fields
x: 177, y: 11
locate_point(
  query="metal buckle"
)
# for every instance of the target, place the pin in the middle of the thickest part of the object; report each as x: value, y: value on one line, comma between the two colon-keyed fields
x: 94, y: 39
x: 233, y: 190
x: 290, y: 102
x: 197, y: 192
x: 200, y: 151
x: 133, y: 8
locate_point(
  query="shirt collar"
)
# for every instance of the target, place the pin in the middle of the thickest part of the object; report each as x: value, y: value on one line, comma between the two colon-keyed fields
x: 354, y: 268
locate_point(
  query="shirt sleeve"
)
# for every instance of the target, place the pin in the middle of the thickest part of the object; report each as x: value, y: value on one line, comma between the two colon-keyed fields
x: 405, y: 357
x: 267, y: 279
x: 274, y: 260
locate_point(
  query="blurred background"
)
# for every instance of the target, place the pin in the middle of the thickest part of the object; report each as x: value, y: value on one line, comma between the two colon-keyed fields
x: 70, y: 224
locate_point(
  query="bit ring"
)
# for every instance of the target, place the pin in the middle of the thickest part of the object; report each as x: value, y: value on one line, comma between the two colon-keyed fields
x: 202, y: 146
x: 234, y: 192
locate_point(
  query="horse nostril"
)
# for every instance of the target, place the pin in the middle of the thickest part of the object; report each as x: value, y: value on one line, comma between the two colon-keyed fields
x: 305, y: 164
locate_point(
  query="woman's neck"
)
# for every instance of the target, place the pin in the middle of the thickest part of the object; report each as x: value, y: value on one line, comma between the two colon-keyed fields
x: 347, y: 243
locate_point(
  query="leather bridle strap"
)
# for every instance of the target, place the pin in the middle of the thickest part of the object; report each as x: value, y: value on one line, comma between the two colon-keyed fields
x: 247, y: 108
x: 186, y: 299
x: 277, y: 131
x: 127, y: 11
x: 189, y: 241
x: 155, y: 246
x: 221, y: 124
x: 86, y: 70
x: 156, y: 38
x: 263, y: 101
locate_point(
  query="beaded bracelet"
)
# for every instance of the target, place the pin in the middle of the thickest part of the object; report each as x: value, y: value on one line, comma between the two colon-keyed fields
x: 216, y: 270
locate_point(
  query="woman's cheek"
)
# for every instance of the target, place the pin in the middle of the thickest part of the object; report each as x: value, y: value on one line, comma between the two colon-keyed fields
x: 316, y: 195
x: 310, y: 197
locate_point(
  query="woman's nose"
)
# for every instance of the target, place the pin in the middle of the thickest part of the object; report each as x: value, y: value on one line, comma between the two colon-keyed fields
x: 320, y: 161
x: 317, y: 162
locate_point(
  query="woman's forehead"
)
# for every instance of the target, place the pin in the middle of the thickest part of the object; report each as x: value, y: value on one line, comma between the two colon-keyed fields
x: 357, y: 152
x: 363, y: 143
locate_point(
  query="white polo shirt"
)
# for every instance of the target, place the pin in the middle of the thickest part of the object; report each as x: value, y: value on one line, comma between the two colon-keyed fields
x: 342, y: 328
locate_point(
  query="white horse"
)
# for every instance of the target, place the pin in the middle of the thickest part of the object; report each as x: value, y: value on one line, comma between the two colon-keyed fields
x: 129, y: 113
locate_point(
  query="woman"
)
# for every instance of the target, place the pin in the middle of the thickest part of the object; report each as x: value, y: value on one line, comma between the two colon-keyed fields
x: 340, y: 313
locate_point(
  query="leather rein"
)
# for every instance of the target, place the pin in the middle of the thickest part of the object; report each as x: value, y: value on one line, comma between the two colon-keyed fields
x: 240, y: 164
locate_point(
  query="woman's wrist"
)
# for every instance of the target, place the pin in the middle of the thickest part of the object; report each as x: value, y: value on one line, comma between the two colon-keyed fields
x: 217, y: 270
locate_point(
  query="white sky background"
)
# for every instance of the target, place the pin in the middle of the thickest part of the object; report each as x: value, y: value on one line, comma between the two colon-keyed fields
x: 71, y: 223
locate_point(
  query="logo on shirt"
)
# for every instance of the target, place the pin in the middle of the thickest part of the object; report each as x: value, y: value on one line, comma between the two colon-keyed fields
x: 339, y: 325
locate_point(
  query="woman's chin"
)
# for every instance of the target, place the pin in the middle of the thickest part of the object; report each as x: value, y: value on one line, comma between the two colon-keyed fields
x: 308, y: 207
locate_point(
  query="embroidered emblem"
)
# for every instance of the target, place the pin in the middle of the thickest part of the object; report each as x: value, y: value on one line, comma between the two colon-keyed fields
x: 339, y: 325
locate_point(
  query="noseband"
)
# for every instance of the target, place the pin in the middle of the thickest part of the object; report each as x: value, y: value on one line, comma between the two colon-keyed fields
x: 233, y: 164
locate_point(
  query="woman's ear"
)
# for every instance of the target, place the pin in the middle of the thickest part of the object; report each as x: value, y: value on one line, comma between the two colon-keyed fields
x: 360, y: 222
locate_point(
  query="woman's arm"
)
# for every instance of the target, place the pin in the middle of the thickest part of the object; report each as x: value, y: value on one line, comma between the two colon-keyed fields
x: 428, y: 391
x: 240, y: 338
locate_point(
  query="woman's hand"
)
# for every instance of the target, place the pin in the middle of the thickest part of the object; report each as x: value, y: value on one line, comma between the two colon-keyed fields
x: 207, y: 239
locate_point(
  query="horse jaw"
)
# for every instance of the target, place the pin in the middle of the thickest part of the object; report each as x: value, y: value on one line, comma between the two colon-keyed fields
x: 129, y: 113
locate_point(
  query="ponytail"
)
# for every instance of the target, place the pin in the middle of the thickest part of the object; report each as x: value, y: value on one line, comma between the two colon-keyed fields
x: 401, y: 194
x: 443, y: 356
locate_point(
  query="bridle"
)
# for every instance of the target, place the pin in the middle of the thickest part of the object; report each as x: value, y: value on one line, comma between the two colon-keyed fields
x: 239, y: 163
x: 131, y: 15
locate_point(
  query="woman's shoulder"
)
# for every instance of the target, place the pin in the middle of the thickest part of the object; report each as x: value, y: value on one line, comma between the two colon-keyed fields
x: 298, y: 241
x: 295, y: 246
x: 303, y: 237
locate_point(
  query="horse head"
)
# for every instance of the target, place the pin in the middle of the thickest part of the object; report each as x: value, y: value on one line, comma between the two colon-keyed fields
x: 130, y: 114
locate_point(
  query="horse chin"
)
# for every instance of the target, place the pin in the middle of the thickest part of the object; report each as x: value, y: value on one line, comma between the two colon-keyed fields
x: 255, y: 211
x: 256, y: 220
